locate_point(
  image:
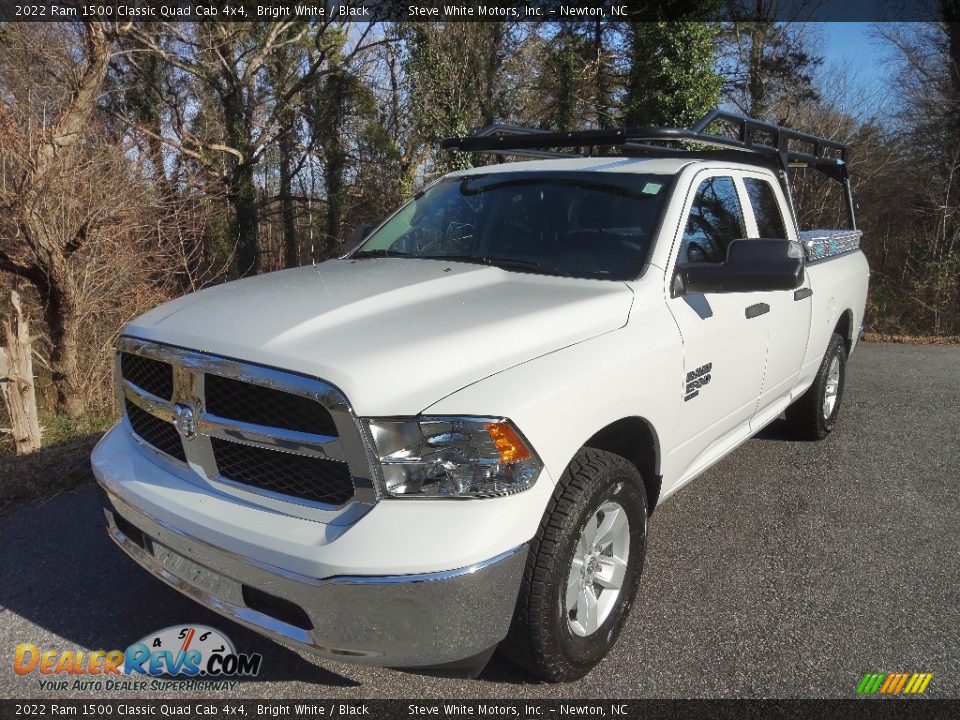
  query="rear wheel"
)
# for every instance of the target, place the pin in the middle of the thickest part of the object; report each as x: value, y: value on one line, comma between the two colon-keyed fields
x: 814, y: 415
x: 583, y: 569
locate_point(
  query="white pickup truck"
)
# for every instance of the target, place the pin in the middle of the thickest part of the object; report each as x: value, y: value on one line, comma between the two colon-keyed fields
x: 452, y: 438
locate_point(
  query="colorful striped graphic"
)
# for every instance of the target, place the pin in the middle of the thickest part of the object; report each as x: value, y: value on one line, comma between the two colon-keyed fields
x: 894, y: 683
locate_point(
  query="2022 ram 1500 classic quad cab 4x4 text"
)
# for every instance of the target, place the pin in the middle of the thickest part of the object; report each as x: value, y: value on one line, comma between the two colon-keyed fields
x: 453, y: 437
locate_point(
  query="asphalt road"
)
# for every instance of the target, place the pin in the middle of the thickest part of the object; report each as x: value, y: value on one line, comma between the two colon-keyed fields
x: 789, y: 569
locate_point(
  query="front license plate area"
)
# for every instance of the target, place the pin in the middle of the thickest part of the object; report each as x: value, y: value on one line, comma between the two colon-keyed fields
x: 196, y: 574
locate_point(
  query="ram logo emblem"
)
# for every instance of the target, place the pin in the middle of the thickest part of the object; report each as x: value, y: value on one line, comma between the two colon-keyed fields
x: 185, y: 420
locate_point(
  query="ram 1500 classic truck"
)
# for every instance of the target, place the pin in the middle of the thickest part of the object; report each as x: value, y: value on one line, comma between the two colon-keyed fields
x: 452, y: 438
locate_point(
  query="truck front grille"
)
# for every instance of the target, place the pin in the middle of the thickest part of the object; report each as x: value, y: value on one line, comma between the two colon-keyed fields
x: 247, y: 428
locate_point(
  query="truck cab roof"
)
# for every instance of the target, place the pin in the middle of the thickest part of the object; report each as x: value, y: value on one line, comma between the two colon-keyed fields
x: 646, y: 165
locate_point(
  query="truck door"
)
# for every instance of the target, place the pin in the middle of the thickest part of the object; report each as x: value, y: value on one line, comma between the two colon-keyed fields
x: 789, y: 315
x: 724, y: 341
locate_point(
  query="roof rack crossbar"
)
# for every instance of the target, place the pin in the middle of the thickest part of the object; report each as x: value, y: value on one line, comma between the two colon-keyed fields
x: 827, y: 155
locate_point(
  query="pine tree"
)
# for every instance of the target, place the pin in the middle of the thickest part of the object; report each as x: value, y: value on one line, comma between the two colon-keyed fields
x: 671, y: 78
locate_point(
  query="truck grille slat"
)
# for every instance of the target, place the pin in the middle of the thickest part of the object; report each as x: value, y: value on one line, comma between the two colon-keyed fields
x: 162, y: 435
x: 154, y: 376
x: 314, y: 479
x: 237, y: 400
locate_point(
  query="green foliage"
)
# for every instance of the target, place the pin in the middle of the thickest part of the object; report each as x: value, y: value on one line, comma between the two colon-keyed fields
x: 333, y: 102
x: 671, y: 78
x: 58, y: 428
x: 454, y: 75
x: 563, y: 63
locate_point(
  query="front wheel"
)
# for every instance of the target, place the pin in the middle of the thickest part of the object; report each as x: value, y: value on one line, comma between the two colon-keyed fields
x: 583, y: 569
x: 814, y: 414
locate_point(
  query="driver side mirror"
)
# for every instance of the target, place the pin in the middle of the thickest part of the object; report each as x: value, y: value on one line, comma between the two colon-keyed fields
x: 751, y: 266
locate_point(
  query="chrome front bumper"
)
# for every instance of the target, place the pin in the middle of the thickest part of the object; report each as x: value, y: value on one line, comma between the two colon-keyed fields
x: 411, y: 621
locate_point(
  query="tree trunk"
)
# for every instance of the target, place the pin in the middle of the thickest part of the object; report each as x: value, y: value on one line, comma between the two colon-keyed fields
x: 757, y: 100
x: 291, y: 253
x: 634, y: 100
x: 63, y: 324
x: 566, y: 81
x: 243, y: 226
x: 16, y: 376
x: 492, y: 70
x: 241, y: 188
x: 337, y: 96
x: 601, y: 91
x: 155, y: 151
x: 333, y: 175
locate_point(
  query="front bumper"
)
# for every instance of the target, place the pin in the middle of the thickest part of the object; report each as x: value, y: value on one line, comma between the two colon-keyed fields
x: 420, y: 620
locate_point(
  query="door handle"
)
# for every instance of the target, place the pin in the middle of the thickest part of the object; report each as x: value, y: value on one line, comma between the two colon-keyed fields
x: 756, y: 310
x: 801, y: 293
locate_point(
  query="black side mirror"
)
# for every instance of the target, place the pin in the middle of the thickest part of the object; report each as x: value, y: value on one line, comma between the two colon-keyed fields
x: 751, y: 266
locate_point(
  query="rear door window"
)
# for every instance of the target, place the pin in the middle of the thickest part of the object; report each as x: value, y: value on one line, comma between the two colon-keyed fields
x: 766, y: 208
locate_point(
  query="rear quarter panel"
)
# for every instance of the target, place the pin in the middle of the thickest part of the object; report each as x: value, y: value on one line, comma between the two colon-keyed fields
x: 839, y: 285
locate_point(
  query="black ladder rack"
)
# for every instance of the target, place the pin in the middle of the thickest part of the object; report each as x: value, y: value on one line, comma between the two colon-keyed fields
x: 745, y: 136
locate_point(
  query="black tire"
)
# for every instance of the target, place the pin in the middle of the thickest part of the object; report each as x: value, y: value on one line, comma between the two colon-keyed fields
x: 806, y: 417
x: 541, y: 638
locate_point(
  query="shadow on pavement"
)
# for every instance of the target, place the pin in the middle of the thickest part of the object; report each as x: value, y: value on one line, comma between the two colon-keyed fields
x: 44, y: 473
x: 61, y: 572
x: 778, y: 430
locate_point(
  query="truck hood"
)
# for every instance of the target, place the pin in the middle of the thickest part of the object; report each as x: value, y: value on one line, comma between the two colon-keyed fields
x: 394, y: 334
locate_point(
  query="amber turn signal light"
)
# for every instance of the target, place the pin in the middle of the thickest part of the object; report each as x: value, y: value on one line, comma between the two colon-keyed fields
x: 508, y: 443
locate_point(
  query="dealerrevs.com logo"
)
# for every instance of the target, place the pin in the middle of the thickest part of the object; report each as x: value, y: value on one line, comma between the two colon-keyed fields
x: 191, y: 652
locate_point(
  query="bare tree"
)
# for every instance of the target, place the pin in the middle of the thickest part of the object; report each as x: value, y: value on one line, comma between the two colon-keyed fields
x: 52, y: 200
x: 928, y: 112
x: 225, y: 68
x: 16, y: 379
x: 769, y: 64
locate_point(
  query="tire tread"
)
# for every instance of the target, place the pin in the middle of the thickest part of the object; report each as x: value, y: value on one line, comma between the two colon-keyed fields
x: 804, y: 416
x: 528, y: 643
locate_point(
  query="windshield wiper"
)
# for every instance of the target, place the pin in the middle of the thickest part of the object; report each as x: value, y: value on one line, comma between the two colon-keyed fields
x: 513, y: 263
x: 361, y: 254
x: 503, y: 263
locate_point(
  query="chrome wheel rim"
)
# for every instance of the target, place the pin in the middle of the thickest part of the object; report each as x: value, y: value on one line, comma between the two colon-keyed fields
x: 832, y: 389
x: 598, y: 569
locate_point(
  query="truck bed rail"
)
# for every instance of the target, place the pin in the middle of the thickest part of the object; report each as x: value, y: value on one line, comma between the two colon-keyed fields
x: 825, y: 244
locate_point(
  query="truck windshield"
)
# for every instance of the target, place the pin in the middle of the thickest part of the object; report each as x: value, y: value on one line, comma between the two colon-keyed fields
x: 576, y: 224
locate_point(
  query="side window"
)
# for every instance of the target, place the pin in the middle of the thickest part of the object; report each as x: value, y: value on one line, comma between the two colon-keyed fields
x: 766, y: 209
x: 715, y: 220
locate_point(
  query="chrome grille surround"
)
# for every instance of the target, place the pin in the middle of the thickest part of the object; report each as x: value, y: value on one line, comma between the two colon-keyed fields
x: 189, y: 372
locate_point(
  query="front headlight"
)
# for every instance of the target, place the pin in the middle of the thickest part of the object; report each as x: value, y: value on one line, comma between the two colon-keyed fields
x: 452, y: 456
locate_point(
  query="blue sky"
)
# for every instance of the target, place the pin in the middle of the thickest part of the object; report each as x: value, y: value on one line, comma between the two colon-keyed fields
x: 858, y: 67
x: 851, y: 45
